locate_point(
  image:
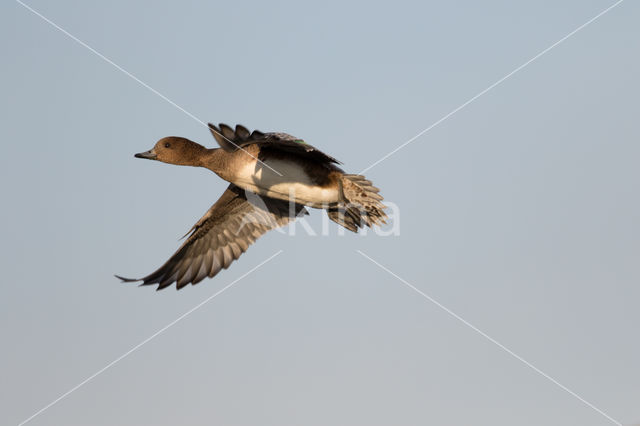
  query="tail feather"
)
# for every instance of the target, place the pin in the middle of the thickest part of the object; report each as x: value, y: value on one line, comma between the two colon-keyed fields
x: 361, y: 204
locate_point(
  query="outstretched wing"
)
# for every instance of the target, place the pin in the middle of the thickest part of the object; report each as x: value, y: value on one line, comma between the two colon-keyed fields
x: 228, y: 228
x: 231, y: 140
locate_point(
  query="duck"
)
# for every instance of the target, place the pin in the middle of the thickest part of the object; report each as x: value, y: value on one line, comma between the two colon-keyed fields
x: 273, y: 178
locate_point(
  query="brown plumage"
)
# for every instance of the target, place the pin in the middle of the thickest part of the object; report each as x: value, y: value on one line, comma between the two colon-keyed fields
x: 226, y: 231
x: 273, y: 176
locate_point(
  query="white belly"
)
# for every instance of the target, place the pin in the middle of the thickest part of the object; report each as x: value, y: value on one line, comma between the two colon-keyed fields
x: 293, y: 184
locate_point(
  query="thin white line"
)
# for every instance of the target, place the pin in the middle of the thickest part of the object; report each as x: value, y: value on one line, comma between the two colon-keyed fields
x: 145, y: 341
x: 101, y: 56
x: 492, y: 340
x: 492, y: 86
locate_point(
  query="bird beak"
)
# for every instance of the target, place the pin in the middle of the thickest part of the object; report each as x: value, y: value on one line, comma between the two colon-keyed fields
x: 149, y: 155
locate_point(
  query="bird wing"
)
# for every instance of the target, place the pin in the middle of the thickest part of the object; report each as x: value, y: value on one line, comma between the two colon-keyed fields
x: 228, y: 228
x: 231, y: 140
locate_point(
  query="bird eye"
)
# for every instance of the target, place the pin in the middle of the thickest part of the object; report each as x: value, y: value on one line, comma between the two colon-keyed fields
x: 167, y: 145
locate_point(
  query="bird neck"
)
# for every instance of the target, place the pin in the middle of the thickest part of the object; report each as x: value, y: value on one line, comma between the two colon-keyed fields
x: 216, y: 160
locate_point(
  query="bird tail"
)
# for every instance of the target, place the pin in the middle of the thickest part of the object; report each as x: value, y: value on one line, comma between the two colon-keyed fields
x: 361, y: 204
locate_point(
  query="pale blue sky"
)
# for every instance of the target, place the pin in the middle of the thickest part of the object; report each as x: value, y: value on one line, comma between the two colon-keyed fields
x: 520, y: 213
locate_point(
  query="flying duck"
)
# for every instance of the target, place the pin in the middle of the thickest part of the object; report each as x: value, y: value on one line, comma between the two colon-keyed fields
x: 272, y: 176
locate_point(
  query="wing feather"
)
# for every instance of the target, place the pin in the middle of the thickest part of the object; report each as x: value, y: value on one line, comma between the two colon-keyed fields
x: 226, y: 231
x: 231, y: 140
